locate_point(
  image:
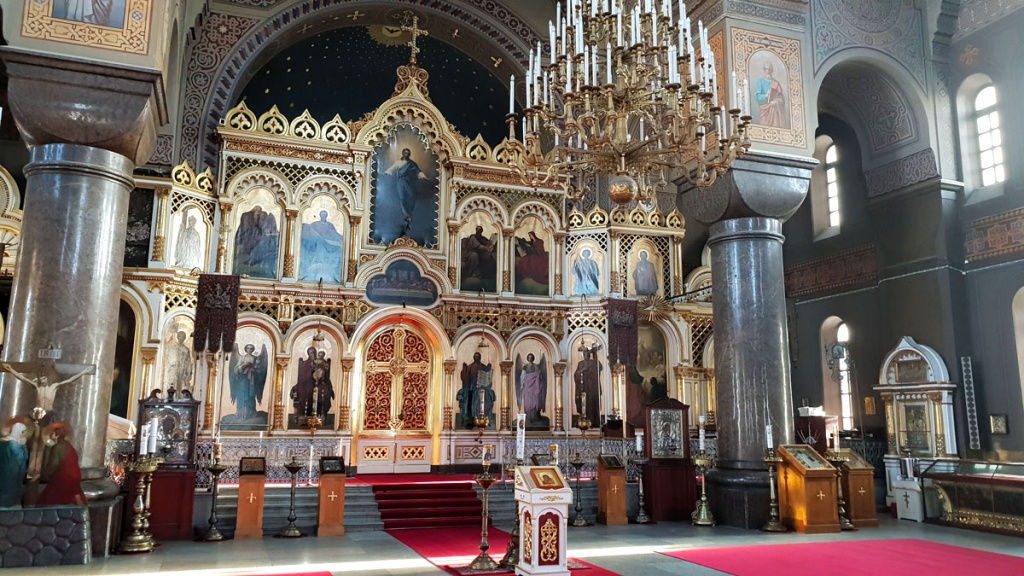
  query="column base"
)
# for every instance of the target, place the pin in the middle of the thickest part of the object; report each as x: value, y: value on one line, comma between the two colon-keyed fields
x: 100, y: 489
x: 739, y: 498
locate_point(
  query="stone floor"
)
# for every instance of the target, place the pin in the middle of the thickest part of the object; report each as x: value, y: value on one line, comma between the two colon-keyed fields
x: 622, y: 549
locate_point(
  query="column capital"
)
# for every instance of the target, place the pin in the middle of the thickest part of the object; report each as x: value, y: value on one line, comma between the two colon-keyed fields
x: 757, y: 185
x: 59, y: 100
x: 559, y: 368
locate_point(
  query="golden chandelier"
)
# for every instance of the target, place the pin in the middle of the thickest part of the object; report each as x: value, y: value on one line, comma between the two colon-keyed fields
x: 623, y: 93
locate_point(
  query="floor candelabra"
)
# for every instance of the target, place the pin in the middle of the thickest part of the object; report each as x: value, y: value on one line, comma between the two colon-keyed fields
x: 641, y: 515
x: 290, y: 530
x: 577, y: 462
x: 702, y: 516
x: 483, y: 561
x: 774, y: 524
x: 213, y: 534
x: 139, y: 539
x: 837, y: 459
x: 511, y: 557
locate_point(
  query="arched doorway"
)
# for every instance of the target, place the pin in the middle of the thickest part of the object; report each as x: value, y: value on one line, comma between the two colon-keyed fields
x: 395, y: 412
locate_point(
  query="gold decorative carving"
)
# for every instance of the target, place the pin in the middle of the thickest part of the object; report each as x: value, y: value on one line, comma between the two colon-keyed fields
x: 158, y: 248
x: 506, y: 281
x: 132, y: 36
x: 282, y: 366
x: 284, y: 151
x: 558, y: 283
x: 528, y: 541
x: 376, y: 453
x: 551, y: 498
x: 548, y: 541
x: 413, y: 453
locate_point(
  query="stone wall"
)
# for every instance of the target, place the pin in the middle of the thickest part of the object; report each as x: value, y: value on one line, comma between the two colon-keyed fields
x: 44, y: 536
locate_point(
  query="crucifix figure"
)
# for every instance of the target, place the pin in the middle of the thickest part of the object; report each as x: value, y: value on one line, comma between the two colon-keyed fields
x: 415, y: 31
x: 43, y: 382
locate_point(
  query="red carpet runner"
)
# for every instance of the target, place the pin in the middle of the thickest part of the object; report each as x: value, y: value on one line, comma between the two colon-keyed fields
x: 458, y: 546
x: 427, y: 505
x: 854, y: 558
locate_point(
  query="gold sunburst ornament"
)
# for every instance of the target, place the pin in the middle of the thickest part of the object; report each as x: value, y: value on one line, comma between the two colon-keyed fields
x: 654, y: 308
x: 388, y: 35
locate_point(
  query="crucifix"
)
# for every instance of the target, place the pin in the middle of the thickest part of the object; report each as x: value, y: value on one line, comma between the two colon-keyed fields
x: 416, y: 32
x: 252, y: 497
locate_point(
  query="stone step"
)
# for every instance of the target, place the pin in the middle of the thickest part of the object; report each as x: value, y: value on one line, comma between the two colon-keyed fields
x: 361, y: 514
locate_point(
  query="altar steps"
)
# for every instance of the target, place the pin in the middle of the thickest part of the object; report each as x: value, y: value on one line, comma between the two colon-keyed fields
x: 433, y: 505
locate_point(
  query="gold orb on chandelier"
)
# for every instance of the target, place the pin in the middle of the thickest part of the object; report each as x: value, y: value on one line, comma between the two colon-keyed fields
x: 622, y: 189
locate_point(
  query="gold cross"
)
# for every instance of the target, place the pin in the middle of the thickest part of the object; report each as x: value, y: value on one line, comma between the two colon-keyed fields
x: 356, y: 15
x: 820, y: 495
x: 616, y: 489
x: 497, y: 61
x: 305, y: 28
x: 455, y: 33
x: 861, y: 491
x: 332, y: 496
x: 252, y: 498
x: 416, y: 32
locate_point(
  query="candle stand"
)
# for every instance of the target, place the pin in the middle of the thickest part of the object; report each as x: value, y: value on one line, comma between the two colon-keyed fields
x: 583, y: 423
x: 290, y: 530
x: 774, y: 524
x: 511, y: 557
x: 483, y: 561
x: 702, y: 516
x: 139, y: 539
x: 641, y: 515
x: 213, y: 534
x: 837, y: 459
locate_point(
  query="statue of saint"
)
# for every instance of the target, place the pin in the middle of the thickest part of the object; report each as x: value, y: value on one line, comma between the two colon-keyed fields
x: 14, y: 437
x: 61, y: 472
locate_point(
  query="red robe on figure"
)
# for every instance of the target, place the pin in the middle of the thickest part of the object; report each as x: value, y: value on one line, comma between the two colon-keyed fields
x: 64, y: 484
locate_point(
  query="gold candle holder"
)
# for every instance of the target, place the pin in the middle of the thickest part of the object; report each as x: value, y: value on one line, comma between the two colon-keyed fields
x: 837, y: 459
x: 290, y: 530
x: 483, y: 561
x: 511, y: 557
x: 774, y: 523
x: 213, y: 534
x: 702, y: 515
x: 140, y: 540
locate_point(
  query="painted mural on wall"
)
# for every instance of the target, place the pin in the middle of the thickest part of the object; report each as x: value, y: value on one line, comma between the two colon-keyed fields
x: 121, y: 25
x: 178, y: 360
x: 587, y: 378
x: 402, y: 284
x: 647, y: 380
x: 257, y: 235
x: 322, y: 249
x: 245, y: 400
x: 477, y: 394
x: 532, y: 263
x: 124, y: 355
x: 587, y: 261
x: 644, y: 270
x: 314, y: 380
x: 771, y: 67
x: 531, y: 377
x: 189, y: 233
x: 405, y: 189
x: 140, y: 224
x: 101, y: 12
x: 479, y: 271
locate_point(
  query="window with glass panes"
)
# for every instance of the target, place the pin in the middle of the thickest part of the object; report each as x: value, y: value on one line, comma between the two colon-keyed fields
x: 832, y: 178
x: 990, y: 140
x: 845, y: 386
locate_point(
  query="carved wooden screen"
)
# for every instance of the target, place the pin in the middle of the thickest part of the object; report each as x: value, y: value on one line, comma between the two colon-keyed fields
x: 397, y: 374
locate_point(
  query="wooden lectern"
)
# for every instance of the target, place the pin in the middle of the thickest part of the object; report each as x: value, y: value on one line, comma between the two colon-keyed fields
x: 611, y: 490
x: 544, y: 496
x: 859, y: 490
x: 252, y: 480
x: 332, y: 497
x: 669, y: 476
x: 807, y: 490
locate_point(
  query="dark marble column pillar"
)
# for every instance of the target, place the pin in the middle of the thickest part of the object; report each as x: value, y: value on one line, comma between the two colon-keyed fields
x: 87, y: 125
x: 745, y: 210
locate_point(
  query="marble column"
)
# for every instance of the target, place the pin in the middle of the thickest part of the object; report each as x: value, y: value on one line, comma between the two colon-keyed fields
x: 87, y: 125
x: 745, y: 210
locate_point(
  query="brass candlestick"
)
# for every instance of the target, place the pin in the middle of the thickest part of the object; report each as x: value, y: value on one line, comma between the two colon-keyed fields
x: 837, y: 459
x: 213, y: 534
x: 139, y: 539
x: 702, y: 515
x: 511, y: 557
x: 290, y: 530
x: 641, y: 515
x: 577, y: 462
x: 483, y: 561
x: 774, y: 524
x: 481, y: 422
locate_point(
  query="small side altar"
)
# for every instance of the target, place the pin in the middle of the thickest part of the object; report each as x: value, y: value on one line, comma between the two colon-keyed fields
x: 544, y: 496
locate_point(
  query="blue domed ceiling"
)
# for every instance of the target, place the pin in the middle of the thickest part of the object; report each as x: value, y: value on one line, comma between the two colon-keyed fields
x: 351, y: 71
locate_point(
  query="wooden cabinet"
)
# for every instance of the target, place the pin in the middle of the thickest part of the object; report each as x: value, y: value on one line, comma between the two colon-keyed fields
x: 171, y: 502
x: 807, y: 490
x: 611, y: 490
x: 859, y: 490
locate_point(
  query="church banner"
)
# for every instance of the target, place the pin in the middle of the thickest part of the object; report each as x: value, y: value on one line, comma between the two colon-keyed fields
x: 622, y: 331
x: 216, y: 313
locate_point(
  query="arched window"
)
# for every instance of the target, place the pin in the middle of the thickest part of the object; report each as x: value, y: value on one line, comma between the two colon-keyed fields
x: 837, y: 371
x: 990, y: 140
x: 824, y: 190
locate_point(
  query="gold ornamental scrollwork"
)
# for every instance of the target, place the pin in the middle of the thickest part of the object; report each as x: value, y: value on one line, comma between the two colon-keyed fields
x: 528, y: 541
x: 548, y: 541
x: 551, y: 498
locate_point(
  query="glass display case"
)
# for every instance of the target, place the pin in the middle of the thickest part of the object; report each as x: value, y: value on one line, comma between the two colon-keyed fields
x: 177, y: 427
x: 984, y: 495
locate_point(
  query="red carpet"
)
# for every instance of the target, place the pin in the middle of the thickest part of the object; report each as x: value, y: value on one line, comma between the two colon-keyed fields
x: 427, y: 504
x: 383, y: 479
x: 458, y: 546
x: 296, y: 574
x: 854, y: 558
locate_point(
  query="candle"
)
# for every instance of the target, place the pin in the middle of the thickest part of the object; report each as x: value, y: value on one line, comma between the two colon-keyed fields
x: 608, y: 63
x: 583, y: 404
x: 482, y: 412
x: 639, y: 441
x: 154, y: 434
x: 835, y: 438
x: 553, y: 453
x: 512, y: 94
x: 768, y: 436
x: 700, y: 438
x: 261, y: 443
x: 143, y: 439
x: 218, y: 451
x: 520, y: 436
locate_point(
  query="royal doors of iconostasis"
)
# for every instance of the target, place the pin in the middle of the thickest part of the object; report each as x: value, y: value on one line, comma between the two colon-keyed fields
x: 400, y: 380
